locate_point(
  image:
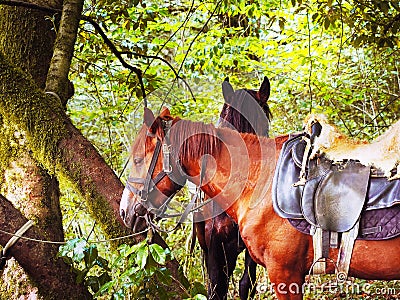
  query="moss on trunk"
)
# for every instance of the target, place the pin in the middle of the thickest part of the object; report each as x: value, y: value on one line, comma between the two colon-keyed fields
x: 27, y: 38
x: 59, y: 146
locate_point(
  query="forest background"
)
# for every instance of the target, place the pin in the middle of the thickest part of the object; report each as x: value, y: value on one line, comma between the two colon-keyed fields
x: 101, y: 61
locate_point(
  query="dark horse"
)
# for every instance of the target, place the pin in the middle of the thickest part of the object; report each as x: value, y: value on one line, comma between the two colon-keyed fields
x: 246, y: 111
x: 236, y: 171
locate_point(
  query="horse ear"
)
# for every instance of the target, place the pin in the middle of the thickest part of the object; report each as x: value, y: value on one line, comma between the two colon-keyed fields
x: 165, y: 114
x: 265, y: 90
x: 227, y: 90
x: 148, y: 117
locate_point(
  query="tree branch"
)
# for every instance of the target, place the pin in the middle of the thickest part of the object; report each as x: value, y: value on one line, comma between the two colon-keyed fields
x: 57, y: 76
x: 177, y: 76
x: 107, y: 41
x: 198, y: 34
x: 389, y: 25
x: 114, y: 49
x: 117, y: 53
x: 52, y: 276
x: 61, y: 148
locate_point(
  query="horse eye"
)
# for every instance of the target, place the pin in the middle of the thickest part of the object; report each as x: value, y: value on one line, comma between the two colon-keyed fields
x: 138, y: 160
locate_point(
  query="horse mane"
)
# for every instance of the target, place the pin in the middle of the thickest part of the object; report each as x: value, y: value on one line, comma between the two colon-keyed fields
x: 264, y: 105
x: 259, y: 115
x: 194, y: 139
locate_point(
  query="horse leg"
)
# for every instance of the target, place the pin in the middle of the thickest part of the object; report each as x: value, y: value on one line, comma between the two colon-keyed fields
x: 248, y: 281
x: 287, y: 264
x: 217, y: 273
x: 221, y: 262
x: 199, y: 228
x: 289, y: 287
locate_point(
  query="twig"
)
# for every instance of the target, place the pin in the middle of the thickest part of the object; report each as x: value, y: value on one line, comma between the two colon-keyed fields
x: 177, y: 76
x: 117, y: 53
x: 198, y: 34
x: 107, y: 41
x: 194, y: 39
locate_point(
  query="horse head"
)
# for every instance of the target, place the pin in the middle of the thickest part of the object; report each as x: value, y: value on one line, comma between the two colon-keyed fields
x: 246, y: 110
x: 155, y: 175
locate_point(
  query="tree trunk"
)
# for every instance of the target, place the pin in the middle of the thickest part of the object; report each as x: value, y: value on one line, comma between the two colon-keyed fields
x: 58, y: 146
x: 37, y: 260
x: 62, y: 150
x: 47, y: 132
x: 27, y: 38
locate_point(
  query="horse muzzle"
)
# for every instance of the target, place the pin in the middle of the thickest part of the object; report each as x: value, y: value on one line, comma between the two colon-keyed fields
x: 132, y: 212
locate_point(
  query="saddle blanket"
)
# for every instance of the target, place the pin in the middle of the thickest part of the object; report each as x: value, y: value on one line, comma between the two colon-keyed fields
x: 375, y: 225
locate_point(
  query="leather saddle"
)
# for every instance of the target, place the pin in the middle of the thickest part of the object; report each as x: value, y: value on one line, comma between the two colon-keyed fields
x: 333, y: 195
x: 332, y: 198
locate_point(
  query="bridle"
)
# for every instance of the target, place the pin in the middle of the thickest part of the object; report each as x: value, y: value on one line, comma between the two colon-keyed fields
x: 149, y: 184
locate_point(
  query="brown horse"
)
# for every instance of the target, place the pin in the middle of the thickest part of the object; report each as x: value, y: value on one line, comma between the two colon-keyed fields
x: 246, y: 111
x: 236, y: 171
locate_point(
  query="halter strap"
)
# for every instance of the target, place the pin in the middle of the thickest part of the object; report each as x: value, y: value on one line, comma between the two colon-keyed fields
x: 149, y: 183
x: 189, y: 208
x: 167, y: 147
x: 146, y: 185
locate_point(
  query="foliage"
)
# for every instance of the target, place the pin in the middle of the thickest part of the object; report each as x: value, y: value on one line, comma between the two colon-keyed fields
x: 336, y: 57
x: 138, y: 270
x: 371, y: 22
x: 84, y: 259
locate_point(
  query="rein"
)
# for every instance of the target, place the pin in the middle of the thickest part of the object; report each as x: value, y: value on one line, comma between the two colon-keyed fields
x: 189, y: 208
x: 149, y: 184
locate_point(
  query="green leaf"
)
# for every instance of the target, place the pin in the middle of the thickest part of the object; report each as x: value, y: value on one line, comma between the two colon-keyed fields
x: 105, y: 287
x: 102, y: 263
x: 129, y: 250
x: 198, y: 290
x: 395, y: 4
x: 68, y: 247
x: 80, y: 275
x: 199, y: 297
x: 164, y: 276
x: 79, y: 251
x: 91, y: 255
x: 68, y: 260
x: 142, y: 254
x: 93, y: 283
x: 158, y: 253
x: 384, y: 6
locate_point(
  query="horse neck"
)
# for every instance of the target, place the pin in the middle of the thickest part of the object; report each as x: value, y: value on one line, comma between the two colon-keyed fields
x: 239, y: 172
